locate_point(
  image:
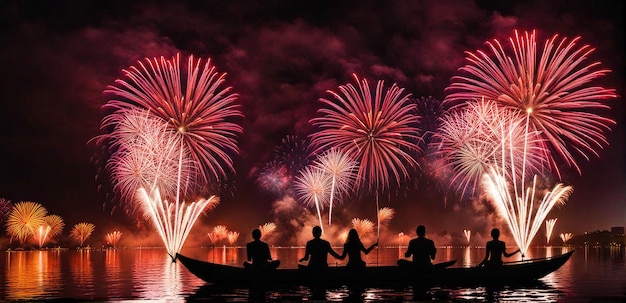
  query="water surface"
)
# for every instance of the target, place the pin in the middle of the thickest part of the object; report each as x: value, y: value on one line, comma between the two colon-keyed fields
x: 139, y: 274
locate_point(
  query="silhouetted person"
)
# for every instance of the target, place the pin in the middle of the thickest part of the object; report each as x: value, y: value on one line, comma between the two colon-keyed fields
x: 422, y: 249
x: 317, y: 250
x: 259, y: 254
x: 353, y: 248
x: 495, y: 250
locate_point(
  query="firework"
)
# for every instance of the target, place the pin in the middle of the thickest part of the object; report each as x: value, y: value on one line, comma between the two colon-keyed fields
x: 81, y: 232
x: 197, y: 110
x: 470, y: 140
x: 173, y: 221
x: 554, y: 85
x: 401, y: 238
x: 5, y: 209
x: 232, y: 237
x: 549, y: 228
x: 24, y: 220
x: 146, y: 155
x: 267, y: 229
x: 52, y: 226
x: 385, y: 214
x: 468, y: 235
x: 313, y: 187
x: 113, y: 238
x: 295, y: 153
x: 566, y: 237
x: 363, y: 226
x: 378, y: 131
x: 522, y: 211
x: 340, y: 168
x: 219, y: 233
x: 274, y: 177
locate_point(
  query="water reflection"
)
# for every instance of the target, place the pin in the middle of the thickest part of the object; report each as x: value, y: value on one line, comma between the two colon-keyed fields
x: 139, y: 274
x: 28, y: 274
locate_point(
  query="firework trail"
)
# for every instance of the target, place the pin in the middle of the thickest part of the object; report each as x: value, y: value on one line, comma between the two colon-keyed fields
x: 549, y: 228
x: 378, y: 131
x: 113, y: 238
x: 24, y: 220
x: 81, y: 232
x: 340, y: 167
x: 385, y: 215
x: 220, y: 232
x: 52, y: 227
x: 468, y: 235
x: 523, y: 216
x: 566, y: 237
x: 554, y: 84
x: 469, y: 141
x: 313, y: 188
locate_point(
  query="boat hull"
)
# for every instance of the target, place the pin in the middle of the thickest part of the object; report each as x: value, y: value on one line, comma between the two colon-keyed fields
x: 510, y: 273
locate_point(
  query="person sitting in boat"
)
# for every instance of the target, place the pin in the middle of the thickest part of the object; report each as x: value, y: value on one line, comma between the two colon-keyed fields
x: 353, y: 248
x: 317, y: 250
x: 495, y: 250
x: 422, y: 249
x: 259, y: 253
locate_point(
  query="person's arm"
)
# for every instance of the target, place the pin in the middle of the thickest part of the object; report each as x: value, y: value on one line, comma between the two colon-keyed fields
x: 267, y: 252
x: 367, y: 251
x: 511, y: 254
x: 248, y: 252
x: 344, y: 253
x: 332, y: 252
x: 433, y: 250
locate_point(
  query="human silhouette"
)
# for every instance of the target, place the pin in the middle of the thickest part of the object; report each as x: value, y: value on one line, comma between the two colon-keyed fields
x: 259, y: 254
x: 495, y: 250
x: 317, y: 250
x: 422, y: 249
x: 353, y: 248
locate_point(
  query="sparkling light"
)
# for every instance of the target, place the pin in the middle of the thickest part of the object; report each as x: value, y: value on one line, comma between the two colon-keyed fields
x: 549, y: 228
x: 340, y: 167
x: 81, y: 232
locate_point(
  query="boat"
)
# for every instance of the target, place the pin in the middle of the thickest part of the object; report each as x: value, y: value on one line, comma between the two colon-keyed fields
x: 441, y: 273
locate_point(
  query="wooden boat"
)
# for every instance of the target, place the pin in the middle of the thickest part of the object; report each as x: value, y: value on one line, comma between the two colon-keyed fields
x: 509, y: 273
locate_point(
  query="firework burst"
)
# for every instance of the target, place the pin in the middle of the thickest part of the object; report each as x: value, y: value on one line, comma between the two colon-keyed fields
x: 340, y: 167
x: 363, y: 226
x: 81, y: 232
x: 553, y: 85
x: 113, y: 238
x: 197, y: 110
x: 313, y: 188
x: 5, y: 209
x: 468, y: 235
x: 232, y: 237
x: 565, y: 237
x: 24, y: 220
x: 52, y: 226
x: 378, y: 131
x: 471, y: 139
x: 549, y: 228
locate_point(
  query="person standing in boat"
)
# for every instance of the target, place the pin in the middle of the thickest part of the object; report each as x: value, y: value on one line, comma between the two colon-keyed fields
x: 317, y: 251
x: 495, y: 250
x: 259, y: 254
x: 422, y: 249
x: 353, y: 248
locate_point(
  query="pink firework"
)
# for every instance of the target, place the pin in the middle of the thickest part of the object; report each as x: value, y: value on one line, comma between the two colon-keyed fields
x: 340, y: 167
x: 553, y: 85
x: 378, y: 131
x: 192, y: 105
x: 113, y: 238
x: 267, y: 229
x: 469, y: 141
x: 313, y: 188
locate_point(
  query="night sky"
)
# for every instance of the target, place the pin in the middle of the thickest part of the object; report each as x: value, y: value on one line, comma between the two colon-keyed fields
x: 57, y: 57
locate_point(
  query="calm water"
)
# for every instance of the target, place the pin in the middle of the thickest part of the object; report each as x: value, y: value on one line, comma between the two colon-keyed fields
x: 591, y: 275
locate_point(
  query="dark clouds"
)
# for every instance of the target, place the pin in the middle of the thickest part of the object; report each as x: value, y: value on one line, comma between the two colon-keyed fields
x: 280, y: 56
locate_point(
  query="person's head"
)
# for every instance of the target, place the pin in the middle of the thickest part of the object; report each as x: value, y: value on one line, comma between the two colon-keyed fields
x: 353, y: 236
x: 317, y: 232
x: 420, y: 230
x: 495, y: 233
x: 256, y: 234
